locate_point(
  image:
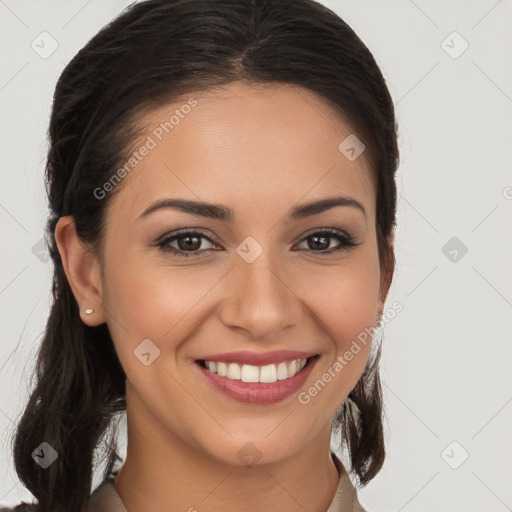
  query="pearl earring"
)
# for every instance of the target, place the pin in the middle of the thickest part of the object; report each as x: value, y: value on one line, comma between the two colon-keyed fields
x: 89, y: 311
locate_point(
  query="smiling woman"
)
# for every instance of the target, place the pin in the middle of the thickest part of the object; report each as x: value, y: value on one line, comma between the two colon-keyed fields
x: 227, y: 271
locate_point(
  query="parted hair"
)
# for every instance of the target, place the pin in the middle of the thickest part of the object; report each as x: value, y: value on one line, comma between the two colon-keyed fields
x: 150, y: 54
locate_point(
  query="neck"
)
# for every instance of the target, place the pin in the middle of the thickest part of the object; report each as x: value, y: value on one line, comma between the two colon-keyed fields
x: 162, y: 470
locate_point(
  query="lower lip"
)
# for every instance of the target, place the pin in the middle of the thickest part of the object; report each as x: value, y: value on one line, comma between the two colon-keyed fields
x: 259, y: 392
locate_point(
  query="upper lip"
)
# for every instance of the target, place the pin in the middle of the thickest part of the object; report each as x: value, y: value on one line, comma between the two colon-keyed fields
x: 258, y: 358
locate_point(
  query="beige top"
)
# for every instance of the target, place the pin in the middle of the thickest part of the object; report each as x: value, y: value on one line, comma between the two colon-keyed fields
x: 106, y: 499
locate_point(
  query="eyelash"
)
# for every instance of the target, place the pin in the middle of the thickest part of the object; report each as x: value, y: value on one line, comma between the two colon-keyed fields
x: 347, y: 242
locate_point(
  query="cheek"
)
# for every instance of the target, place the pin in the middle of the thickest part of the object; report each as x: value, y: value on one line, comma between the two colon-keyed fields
x: 155, y: 302
x: 345, y: 300
x: 346, y: 305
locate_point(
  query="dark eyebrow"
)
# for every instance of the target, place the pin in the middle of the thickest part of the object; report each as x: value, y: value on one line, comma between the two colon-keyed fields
x: 220, y: 212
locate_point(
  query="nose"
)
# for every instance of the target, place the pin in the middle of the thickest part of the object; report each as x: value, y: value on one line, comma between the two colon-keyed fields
x: 261, y: 298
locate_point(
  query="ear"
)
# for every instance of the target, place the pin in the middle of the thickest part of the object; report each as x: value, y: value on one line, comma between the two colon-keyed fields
x: 387, y: 275
x: 82, y: 270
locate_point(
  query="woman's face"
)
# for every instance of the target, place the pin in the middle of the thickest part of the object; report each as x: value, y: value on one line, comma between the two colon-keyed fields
x: 257, y: 282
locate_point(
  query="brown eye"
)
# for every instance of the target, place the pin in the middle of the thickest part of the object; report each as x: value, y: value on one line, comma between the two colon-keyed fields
x: 188, y: 243
x: 320, y: 241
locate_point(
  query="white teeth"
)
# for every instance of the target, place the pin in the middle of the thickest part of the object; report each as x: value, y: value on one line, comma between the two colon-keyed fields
x: 222, y: 369
x: 268, y: 373
x: 282, y: 371
x: 250, y: 373
x: 233, y: 371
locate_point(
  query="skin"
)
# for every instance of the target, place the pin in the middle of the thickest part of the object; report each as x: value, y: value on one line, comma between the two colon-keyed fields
x: 276, y: 146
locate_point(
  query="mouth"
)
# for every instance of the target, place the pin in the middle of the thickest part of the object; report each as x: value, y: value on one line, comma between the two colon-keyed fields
x: 264, y: 374
x: 257, y: 385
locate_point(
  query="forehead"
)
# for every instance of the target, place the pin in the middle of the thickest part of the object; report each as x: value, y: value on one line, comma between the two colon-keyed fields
x: 251, y: 144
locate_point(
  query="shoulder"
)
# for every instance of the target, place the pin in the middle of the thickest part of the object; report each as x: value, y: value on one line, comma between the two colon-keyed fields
x: 22, y: 507
x: 346, y: 497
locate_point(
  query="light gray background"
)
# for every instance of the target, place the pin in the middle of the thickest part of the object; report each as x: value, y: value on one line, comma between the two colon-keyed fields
x: 447, y: 356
